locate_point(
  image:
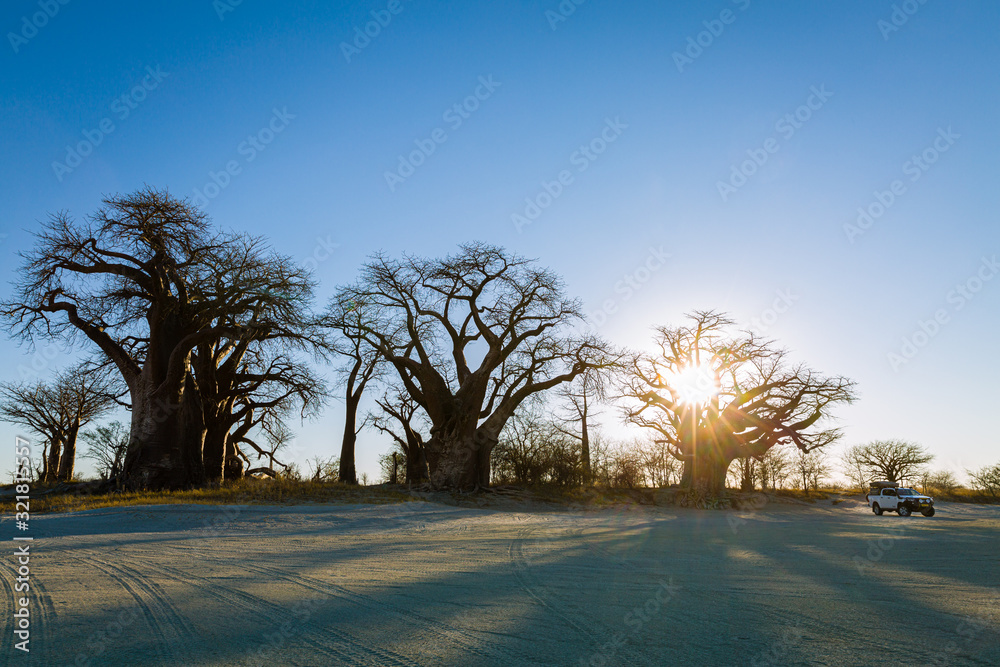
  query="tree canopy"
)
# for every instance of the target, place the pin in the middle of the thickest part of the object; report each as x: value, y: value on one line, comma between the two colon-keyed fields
x: 471, y: 336
x: 714, y: 395
x: 890, y: 460
x: 149, y: 283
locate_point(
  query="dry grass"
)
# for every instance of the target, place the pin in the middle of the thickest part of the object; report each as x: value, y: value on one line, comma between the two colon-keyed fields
x: 964, y: 495
x: 285, y: 491
x: 241, y: 492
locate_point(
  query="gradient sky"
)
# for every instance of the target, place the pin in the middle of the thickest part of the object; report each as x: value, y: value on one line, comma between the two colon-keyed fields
x: 318, y: 189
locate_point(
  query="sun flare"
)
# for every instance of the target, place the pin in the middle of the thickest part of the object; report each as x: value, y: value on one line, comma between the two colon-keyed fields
x: 695, y: 384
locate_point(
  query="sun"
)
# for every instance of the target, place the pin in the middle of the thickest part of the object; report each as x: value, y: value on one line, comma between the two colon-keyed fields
x: 695, y: 384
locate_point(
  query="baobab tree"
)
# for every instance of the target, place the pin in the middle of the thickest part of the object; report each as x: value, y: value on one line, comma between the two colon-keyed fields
x: 147, y: 281
x: 471, y: 336
x: 251, y: 375
x: 713, y: 396
x: 255, y: 395
x: 891, y: 460
x: 56, y: 411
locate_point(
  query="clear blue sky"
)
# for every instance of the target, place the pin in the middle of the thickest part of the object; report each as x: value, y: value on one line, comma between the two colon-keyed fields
x: 210, y: 79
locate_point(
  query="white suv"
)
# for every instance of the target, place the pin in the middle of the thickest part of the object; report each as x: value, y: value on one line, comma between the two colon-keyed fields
x: 888, y: 497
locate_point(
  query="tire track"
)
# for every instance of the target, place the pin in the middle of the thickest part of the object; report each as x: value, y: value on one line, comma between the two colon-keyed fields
x: 47, y: 616
x: 42, y: 614
x: 462, y: 639
x: 534, y: 588
x: 348, y: 646
x: 173, y: 642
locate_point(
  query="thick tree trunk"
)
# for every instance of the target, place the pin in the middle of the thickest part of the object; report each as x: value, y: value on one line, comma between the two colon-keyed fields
x: 165, y: 449
x: 165, y: 446
x: 416, y: 463
x: 706, y: 471
x: 234, y: 466
x: 747, y: 477
x: 459, y: 457
x: 452, y: 463
x: 484, y: 450
x: 51, y: 469
x: 215, y: 450
x: 709, y: 475
x: 67, y: 460
x: 348, y: 473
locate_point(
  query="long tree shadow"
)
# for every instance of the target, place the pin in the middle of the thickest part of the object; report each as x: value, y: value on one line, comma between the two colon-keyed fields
x: 637, y: 588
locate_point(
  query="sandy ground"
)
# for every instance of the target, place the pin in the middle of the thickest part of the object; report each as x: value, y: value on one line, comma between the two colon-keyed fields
x: 429, y: 584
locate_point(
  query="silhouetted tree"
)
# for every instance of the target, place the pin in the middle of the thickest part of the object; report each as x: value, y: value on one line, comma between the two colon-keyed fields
x: 746, y: 472
x: 251, y: 390
x: 106, y: 446
x: 147, y: 282
x: 56, y: 411
x: 752, y: 398
x: 986, y: 480
x: 891, y: 460
x: 942, y: 482
x: 811, y: 468
x: 250, y: 375
x: 855, y: 469
x: 432, y: 320
x: 277, y: 435
x: 362, y: 364
x: 659, y: 467
x: 532, y: 450
x: 580, y: 402
x: 774, y: 468
x: 400, y: 419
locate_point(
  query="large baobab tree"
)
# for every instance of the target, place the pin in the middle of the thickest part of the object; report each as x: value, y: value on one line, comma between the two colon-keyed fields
x: 56, y: 411
x: 471, y: 336
x: 713, y: 396
x: 249, y: 373
x: 147, y: 282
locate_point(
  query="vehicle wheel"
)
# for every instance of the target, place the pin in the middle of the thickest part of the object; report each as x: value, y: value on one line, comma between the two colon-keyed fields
x: 877, y: 509
x: 928, y: 512
x: 904, y: 510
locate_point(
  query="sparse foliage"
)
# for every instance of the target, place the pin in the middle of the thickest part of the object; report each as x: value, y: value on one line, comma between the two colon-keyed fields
x: 941, y: 482
x: 854, y: 467
x: 401, y: 419
x: 775, y: 467
x: 760, y: 399
x: 151, y: 286
x: 986, y: 480
x: 533, y: 451
x: 891, y: 460
x: 471, y: 337
x: 579, y: 402
x: 106, y: 446
x: 811, y: 469
x: 56, y: 411
x: 323, y: 470
x: 361, y: 364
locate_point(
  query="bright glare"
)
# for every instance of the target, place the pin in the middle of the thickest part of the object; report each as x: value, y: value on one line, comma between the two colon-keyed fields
x: 695, y: 384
